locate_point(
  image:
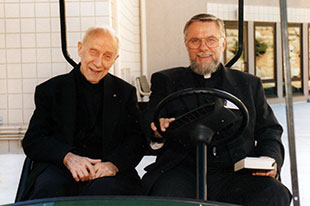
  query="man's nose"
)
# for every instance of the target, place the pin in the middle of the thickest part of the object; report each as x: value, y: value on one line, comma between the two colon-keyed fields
x: 98, y: 61
x: 203, y: 45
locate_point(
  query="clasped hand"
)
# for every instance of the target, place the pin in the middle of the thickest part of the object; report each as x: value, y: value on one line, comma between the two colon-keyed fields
x: 86, y: 169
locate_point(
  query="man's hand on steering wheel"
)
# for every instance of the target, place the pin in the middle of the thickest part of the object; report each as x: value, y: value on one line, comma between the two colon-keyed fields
x: 211, y: 112
x: 164, y: 124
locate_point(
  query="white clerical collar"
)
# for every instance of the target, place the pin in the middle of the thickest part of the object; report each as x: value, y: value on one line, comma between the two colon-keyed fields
x: 207, y: 76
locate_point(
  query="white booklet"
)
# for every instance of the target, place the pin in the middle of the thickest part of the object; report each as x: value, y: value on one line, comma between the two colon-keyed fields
x: 257, y: 163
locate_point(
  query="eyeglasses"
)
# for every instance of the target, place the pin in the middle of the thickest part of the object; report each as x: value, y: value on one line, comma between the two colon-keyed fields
x: 195, y: 43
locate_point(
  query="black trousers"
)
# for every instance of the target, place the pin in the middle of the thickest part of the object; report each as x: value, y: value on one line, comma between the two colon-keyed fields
x: 58, y: 182
x: 223, y: 186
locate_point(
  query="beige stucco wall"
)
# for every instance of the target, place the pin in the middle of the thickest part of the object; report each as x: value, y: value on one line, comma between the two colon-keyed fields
x: 126, y: 20
x: 164, y: 30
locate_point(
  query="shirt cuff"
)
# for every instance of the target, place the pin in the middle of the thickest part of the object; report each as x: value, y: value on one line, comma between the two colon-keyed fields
x: 156, y: 145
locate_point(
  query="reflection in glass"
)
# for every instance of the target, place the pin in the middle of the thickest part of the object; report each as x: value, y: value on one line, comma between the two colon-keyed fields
x: 232, y: 46
x: 265, y: 56
x: 294, y: 38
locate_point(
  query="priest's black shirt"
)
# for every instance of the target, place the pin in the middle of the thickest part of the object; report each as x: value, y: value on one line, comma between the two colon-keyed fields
x: 88, y: 137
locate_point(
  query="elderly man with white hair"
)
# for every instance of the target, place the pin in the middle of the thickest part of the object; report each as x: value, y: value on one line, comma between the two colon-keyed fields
x: 84, y: 136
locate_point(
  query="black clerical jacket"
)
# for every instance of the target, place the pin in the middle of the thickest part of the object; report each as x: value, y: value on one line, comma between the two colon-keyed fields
x: 50, y: 135
x: 261, y: 138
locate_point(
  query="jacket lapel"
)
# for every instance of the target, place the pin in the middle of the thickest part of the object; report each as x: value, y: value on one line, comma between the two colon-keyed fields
x: 230, y: 84
x: 188, y: 80
x: 67, y: 102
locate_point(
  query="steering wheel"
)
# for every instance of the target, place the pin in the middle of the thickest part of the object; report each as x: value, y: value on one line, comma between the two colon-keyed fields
x: 219, y: 112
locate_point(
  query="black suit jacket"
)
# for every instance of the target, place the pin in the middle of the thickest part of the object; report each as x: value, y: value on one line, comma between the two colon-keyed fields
x: 51, y: 130
x: 263, y: 127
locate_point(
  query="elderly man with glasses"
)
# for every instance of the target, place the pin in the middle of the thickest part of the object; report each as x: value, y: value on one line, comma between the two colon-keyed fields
x: 174, y: 172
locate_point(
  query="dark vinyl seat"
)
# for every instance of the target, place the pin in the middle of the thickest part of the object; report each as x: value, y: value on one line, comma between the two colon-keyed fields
x: 23, y: 178
x: 143, y: 86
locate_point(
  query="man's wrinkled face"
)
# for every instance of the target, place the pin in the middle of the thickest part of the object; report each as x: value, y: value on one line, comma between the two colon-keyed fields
x: 205, y: 46
x: 98, y: 53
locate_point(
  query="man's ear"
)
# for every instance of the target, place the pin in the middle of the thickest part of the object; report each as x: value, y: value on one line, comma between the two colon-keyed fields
x: 185, y: 44
x: 80, y: 45
x: 224, y: 43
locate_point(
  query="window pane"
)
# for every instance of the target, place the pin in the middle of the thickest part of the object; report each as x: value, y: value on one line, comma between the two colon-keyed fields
x: 265, y: 56
x: 294, y: 38
x: 232, y: 46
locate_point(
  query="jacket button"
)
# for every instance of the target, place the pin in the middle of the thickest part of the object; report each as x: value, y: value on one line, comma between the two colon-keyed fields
x: 162, y: 171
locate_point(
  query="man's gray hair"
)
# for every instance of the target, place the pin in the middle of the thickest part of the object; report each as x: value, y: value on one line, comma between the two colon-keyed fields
x: 205, y: 18
x: 102, y: 28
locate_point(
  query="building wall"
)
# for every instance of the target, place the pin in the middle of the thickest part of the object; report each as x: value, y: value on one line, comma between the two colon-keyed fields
x: 164, y: 30
x: 129, y: 31
x: 261, y: 13
x: 30, y: 50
